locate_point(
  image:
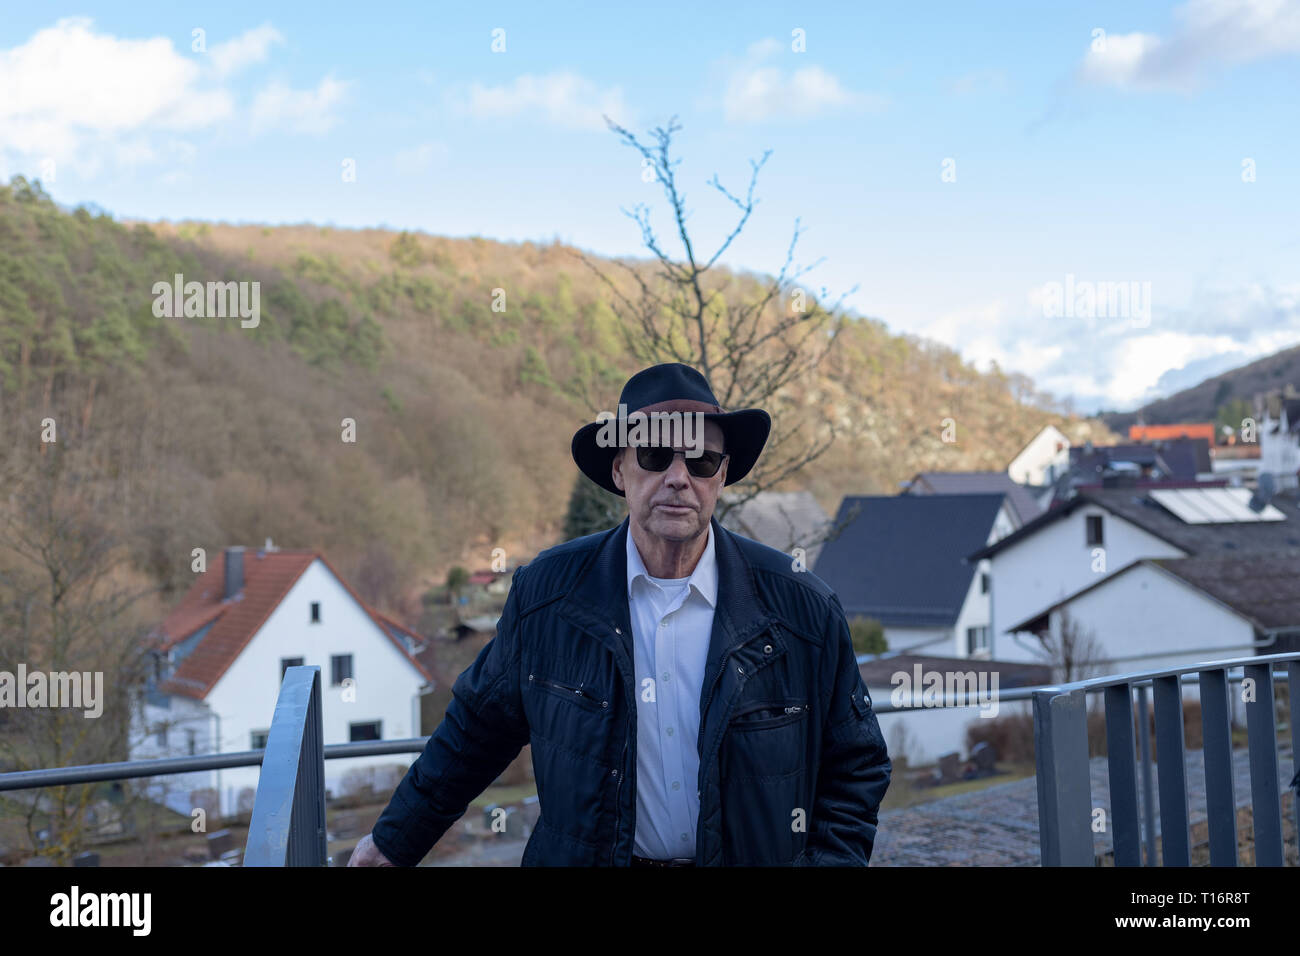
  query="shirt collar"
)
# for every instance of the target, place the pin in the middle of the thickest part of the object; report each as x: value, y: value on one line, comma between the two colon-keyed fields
x: 703, y: 580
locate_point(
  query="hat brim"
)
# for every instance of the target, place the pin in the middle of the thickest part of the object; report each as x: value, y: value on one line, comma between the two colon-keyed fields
x: 745, y: 432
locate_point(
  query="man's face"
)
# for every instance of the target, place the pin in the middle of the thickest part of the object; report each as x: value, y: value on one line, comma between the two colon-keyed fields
x: 672, y: 504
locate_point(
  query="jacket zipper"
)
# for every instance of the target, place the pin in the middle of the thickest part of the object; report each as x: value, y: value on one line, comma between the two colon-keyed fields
x: 569, y: 689
x: 794, y: 709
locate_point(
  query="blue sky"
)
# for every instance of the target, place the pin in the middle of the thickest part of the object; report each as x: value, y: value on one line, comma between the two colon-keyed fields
x: 1152, y: 144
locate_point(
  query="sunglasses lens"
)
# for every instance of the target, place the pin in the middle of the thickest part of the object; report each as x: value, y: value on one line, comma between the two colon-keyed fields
x: 706, y: 466
x: 659, y: 457
x: 654, y: 457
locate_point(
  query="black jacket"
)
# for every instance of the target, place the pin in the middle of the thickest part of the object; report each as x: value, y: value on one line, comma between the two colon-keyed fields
x: 792, y: 762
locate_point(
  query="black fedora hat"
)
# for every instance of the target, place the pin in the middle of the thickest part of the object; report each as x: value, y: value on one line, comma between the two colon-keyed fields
x: 674, y: 387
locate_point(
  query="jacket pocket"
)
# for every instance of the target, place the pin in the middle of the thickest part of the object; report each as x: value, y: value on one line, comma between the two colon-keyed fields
x: 766, y: 739
x: 583, y: 696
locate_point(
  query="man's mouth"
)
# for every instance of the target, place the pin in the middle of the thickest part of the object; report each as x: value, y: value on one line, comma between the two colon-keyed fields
x: 675, y: 509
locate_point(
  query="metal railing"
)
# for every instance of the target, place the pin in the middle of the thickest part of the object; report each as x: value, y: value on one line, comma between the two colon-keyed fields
x: 1065, y: 811
x: 287, y: 826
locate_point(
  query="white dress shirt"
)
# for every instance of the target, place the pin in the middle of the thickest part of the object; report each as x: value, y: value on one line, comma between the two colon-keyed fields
x: 672, y: 619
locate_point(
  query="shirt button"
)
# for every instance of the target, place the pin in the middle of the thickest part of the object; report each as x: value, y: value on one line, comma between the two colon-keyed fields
x: 677, y: 785
x: 663, y: 623
x: 667, y: 677
x: 670, y: 731
x: 685, y: 837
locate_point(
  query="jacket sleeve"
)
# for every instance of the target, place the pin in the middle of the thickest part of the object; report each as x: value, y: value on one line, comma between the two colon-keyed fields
x: 854, y: 768
x: 483, y: 730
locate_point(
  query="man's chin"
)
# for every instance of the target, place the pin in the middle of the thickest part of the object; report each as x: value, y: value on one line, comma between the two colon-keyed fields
x: 674, y: 525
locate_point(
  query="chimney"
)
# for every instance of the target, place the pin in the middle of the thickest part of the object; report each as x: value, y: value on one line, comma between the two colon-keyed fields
x: 234, y: 571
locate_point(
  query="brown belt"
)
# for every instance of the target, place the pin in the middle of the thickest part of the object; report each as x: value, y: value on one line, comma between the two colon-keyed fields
x: 645, y: 861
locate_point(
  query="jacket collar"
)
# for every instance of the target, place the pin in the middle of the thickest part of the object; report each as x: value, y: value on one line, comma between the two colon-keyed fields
x: 598, y: 600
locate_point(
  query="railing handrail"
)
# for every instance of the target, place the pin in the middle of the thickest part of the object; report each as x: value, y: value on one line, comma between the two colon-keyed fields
x: 1146, y: 677
x: 287, y: 826
x: 1013, y: 694
x: 166, y: 766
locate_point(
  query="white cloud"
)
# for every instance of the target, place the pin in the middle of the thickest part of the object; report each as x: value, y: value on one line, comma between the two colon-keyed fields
x: 68, y: 91
x: 756, y: 91
x: 1115, y: 363
x: 251, y: 46
x: 279, y: 106
x: 1210, y: 33
x: 563, y: 99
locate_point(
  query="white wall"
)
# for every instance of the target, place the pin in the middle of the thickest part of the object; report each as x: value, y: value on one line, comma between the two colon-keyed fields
x: 1279, y: 454
x: 1042, y: 461
x: 1055, y: 562
x: 386, y: 688
x: 933, y: 731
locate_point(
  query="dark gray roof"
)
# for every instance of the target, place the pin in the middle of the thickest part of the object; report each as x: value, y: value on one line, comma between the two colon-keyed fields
x: 898, y: 558
x: 1179, y: 458
x: 1262, y: 586
x: 1022, y: 503
x: 781, y: 519
x: 1198, y: 540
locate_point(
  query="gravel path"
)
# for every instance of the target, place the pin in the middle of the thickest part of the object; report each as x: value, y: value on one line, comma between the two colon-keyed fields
x: 998, y: 826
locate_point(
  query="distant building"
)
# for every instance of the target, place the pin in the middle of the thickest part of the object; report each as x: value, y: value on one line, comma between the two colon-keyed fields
x: 900, y: 560
x: 1147, y: 433
x: 1024, y: 508
x: 1279, y: 438
x: 1043, y: 459
x: 220, y: 658
x: 1104, y: 530
x: 784, y: 520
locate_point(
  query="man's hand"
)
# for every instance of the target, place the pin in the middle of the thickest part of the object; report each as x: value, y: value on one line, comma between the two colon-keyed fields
x: 367, y: 854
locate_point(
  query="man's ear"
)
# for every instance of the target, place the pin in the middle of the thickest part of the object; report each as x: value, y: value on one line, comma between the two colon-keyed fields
x: 616, y: 470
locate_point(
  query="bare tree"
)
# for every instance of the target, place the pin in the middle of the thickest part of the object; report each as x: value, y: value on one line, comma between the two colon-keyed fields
x: 66, y: 599
x: 1073, y: 651
x: 752, y: 338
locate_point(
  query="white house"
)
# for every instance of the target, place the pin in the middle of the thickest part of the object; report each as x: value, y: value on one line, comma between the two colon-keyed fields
x: 1279, y: 440
x: 1171, y: 612
x: 900, y: 559
x: 221, y: 655
x: 1102, y: 531
x: 1043, y: 459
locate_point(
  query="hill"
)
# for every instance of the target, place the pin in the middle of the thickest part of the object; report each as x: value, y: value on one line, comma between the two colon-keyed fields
x: 202, y: 432
x: 1204, y: 401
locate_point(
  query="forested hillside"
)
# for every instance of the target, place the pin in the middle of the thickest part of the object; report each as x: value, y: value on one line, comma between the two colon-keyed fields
x: 196, y: 432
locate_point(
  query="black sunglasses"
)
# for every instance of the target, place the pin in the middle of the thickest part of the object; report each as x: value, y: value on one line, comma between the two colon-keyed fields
x: 659, y: 457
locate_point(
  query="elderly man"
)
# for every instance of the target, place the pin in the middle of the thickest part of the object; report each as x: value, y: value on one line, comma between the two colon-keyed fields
x: 691, y: 698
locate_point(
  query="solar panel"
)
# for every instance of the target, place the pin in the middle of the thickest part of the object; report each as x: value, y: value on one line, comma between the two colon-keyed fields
x: 1212, y: 505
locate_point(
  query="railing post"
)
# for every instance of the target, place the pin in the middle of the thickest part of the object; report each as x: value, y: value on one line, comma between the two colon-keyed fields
x: 1175, y: 839
x: 1126, y: 837
x: 1220, y: 801
x: 288, y: 823
x: 1261, y: 740
x: 1064, y: 792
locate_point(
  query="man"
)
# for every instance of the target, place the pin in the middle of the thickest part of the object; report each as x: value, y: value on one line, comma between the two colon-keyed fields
x: 689, y: 696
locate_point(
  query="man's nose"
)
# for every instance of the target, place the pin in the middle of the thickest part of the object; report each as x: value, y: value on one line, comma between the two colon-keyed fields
x: 677, y: 476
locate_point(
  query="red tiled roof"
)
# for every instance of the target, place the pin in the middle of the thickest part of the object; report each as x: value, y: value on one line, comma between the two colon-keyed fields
x: 268, y: 576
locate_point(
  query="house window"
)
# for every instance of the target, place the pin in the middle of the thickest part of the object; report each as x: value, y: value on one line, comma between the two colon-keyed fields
x: 365, y: 731
x: 191, y: 742
x: 977, y: 639
x: 162, y: 735
x: 984, y: 582
x: 258, y: 740
x: 315, y: 612
x: 1094, y: 530
x: 340, y: 669
x: 287, y: 662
